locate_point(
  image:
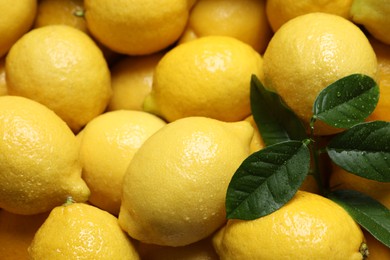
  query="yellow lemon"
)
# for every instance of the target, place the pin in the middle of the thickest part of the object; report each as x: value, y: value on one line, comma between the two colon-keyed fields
x: 67, y: 12
x: 307, y: 227
x: 374, y: 16
x: 17, y: 18
x: 81, y: 231
x: 136, y: 27
x: 302, y: 60
x: 3, y: 83
x: 209, y: 77
x: 174, y: 189
x: 280, y: 11
x: 131, y: 81
x: 62, y: 68
x: 108, y: 144
x: 39, y: 160
x: 382, y: 52
x: 17, y: 232
x: 242, y: 19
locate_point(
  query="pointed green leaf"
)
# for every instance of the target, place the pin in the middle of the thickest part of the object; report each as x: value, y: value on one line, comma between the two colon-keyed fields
x: 267, y: 179
x: 347, y: 101
x: 275, y: 121
x: 364, y: 150
x: 369, y: 213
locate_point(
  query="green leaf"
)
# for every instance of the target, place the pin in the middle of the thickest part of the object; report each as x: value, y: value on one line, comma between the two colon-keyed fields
x: 364, y: 150
x: 369, y: 213
x: 267, y: 179
x: 347, y: 101
x: 275, y: 121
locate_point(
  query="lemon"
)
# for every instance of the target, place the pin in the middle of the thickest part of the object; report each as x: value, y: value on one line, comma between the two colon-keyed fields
x: 39, y: 161
x: 131, y: 81
x: 374, y: 16
x: 67, y: 12
x: 62, y: 68
x: 242, y: 19
x: 280, y: 11
x: 307, y: 227
x: 17, y: 18
x: 17, y: 232
x: 301, y: 60
x: 3, y: 83
x: 136, y: 27
x: 382, y: 52
x: 81, y: 231
x: 209, y: 77
x: 174, y: 188
x: 201, y: 250
x: 108, y: 144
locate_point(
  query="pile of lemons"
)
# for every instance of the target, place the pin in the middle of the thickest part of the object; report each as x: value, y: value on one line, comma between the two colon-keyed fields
x: 122, y: 123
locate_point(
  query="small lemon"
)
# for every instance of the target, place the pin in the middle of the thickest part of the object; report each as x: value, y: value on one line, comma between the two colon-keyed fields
x: 174, y: 189
x: 68, y: 12
x: 209, y: 77
x: 302, y: 60
x: 374, y: 16
x: 62, y: 68
x: 242, y: 19
x: 39, y: 160
x: 108, y: 144
x: 16, y: 19
x: 17, y: 232
x: 136, y: 27
x: 81, y: 231
x: 3, y: 83
x: 307, y: 227
x: 281, y: 11
x: 131, y: 81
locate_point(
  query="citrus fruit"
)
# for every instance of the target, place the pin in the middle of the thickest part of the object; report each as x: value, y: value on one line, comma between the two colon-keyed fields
x: 174, y: 188
x: 308, y: 227
x: 209, y: 77
x: 108, y: 144
x: 136, y: 27
x: 39, y: 159
x: 280, y: 11
x: 62, y: 68
x: 67, y: 12
x: 17, y: 232
x: 131, y: 81
x: 302, y: 60
x: 81, y: 231
x: 16, y: 20
x: 244, y: 20
x: 3, y: 83
x: 374, y: 16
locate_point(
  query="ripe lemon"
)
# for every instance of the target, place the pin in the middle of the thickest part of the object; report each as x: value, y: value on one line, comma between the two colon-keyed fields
x: 201, y: 250
x: 3, y: 83
x: 108, y: 144
x: 60, y: 12
x: 39, y: 160
x: 307, y: 227
x: 62, y: 68
x: 301, y: 60
x: 81, y: 231
x: 382, y: 52
x: 174, y: 189
x: 280, y: 11
x: 17, y: 18
x: 17, y: 232
x: 131, y: 81
x: 341, y: 179
x: 374, y: 16
x: 242, y: 19
x: 136, y: 27
x: 209, y: 77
